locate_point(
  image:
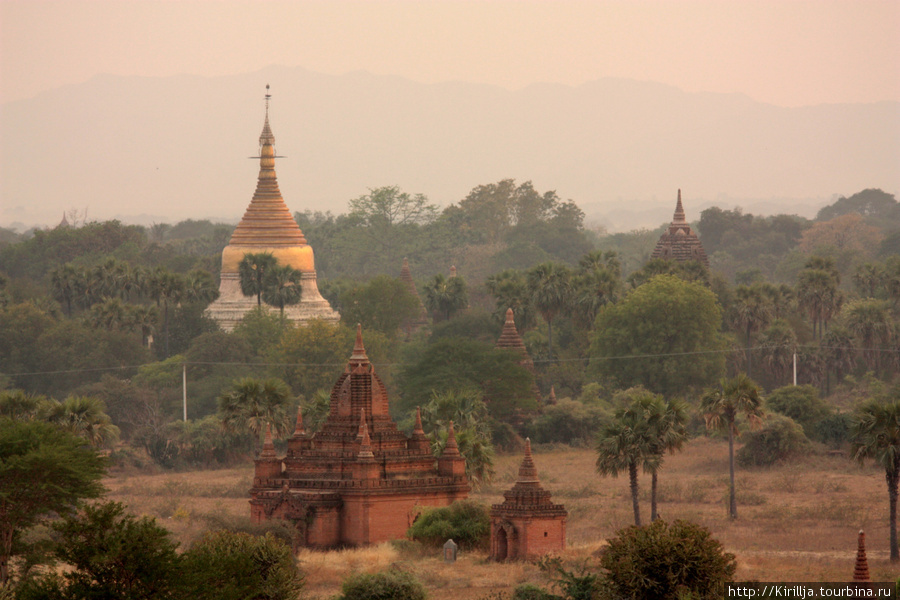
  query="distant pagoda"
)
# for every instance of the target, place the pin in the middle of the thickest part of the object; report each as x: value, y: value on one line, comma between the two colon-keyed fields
x: 267, y: 226
x: 679, y: 242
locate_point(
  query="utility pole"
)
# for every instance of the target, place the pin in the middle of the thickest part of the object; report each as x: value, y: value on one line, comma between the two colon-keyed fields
x: 184, y: 388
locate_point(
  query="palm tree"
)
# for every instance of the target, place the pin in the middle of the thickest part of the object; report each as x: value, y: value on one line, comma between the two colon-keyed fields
x: 144, y: 318
x: 64, y: 280
x: 111, y: 314
x: 282, y: 287
x: 818, y: 294
x: 85, y: 416
x: 624, y: 444
x: 668, y: 433
x: 869, y: 321
x: 445, y: 296
x: 200, y: 287
x: 751, y: 310
x: 592, y: 290
x: 868, y: 278
x: 839, y: 351
x: 721, y: 407
x: 778, y: 344
x: 165, y: 287
x: 875, y: 434
x: 251, y: 404
x: 551, y: 292
x: 510, y: 290
x: 252, y: 270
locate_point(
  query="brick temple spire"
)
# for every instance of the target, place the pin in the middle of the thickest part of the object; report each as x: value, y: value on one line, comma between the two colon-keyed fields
x: 299, y: 430
x: 527, y: 471
x: 861, y: 569
x: 365, y: 444
x: 679, y: 242
x: 359, y: 355
x: 268, y: 449
x: 451, y: 448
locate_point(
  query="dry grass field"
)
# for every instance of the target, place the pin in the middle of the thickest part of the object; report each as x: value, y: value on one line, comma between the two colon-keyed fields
x: 797, y: 522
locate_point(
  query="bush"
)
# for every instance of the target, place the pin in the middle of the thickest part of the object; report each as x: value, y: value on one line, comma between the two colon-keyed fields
x: 568, y: 422
x: 833, y: 430
x: 664, y: 562
x: 778, y: 440
x: 529, y: 591
x: 234, y: 566
x: 802, y: 404
x: 466, y: 522
x: 386, y: 585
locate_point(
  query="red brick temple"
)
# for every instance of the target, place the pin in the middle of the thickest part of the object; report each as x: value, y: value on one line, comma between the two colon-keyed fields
x: 527, y: 524
x: 679, y: 242
x: 511, y: 340
x: 359, y: 480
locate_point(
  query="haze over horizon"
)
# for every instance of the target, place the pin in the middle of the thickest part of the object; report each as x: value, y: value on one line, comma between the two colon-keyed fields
x: 812, y: 76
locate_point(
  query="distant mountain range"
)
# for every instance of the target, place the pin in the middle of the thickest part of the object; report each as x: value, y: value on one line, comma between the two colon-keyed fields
x: 165, y: 149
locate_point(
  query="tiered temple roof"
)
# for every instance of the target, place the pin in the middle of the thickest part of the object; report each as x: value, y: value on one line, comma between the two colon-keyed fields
x: 679, y: 242
x: 359, y: 479
x: 527, y: 496
x: 511, y: 340
x: 861, y: 569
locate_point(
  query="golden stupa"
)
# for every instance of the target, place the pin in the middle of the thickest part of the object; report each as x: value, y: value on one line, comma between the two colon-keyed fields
x: 267, y: 226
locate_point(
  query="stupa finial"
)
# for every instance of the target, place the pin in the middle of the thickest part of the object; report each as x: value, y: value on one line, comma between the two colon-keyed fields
x: 451, y: 448
x: 359, y: 350
x: 679, y: 210
x: 266, y: 137
x: 268, y: 449
x: 527, y: 470
x: 299, y: 429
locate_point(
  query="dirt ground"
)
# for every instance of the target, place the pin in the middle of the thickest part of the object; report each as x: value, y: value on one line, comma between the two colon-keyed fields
x: 796, y: 522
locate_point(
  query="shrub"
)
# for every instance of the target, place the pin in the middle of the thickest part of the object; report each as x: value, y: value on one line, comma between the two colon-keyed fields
x: 466, y: 522
x: 666, y: 562
x: 386, y: 585
x: 833, y: 430
x: 802, y: 404
x: 778, y: 440
x: 233, y: 566
x: 568, y: 421
x: 578, y: 584
x: 529, y: 591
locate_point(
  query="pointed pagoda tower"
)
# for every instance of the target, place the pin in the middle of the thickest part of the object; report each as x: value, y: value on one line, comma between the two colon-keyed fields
x: 358, y: 480
x: 679, y: 242
x: 511, y: 340
x: 267, y: 226
x: 527, y: 524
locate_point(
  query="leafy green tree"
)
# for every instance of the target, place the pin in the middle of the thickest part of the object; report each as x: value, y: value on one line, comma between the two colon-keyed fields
x: 567, y: 422
x: 663, y: 335
x: 875, y: 435
x: 668, y: 562
x: 252, y: 404
x: 261, y: 330
x: 44, y: 471
x: 116, y: 555
x: 802, y: 404
x: 721, y: 406
x: 458, y: 364
x: 627, y: 443
x: 253, y: 270
x: 64, y: 280
x: 445, y: 296
x: 551, y: 290
x: 383, y: 304
x: 692, y: 271
x: 224, y: 565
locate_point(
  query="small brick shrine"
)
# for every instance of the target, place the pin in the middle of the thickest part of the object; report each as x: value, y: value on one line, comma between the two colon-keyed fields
x: 359, y: 480
x: 679, y: 242
x: 527, y: 524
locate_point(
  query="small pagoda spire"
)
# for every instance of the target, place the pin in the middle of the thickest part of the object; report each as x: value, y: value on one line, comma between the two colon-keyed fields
x: 552, y: 398
x: 452, y: 270
x: 679, y: 211
x: 527, y: 471
x: 268, y: 449
x: 359, y: 351
x: 861, y: 570
x: 365, y: 445
x: 418, y: 427
x: 267, y: 137
x: 451, y: 448
x: 299, y: 429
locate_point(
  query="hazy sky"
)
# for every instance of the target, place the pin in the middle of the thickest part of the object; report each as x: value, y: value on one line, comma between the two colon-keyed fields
x: 786, y: 52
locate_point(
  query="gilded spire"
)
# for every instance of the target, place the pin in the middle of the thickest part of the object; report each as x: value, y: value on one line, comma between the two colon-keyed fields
x: 861, y: 570
x: 267, y: 221
x: 679, y: 211
x: 268, y: 449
